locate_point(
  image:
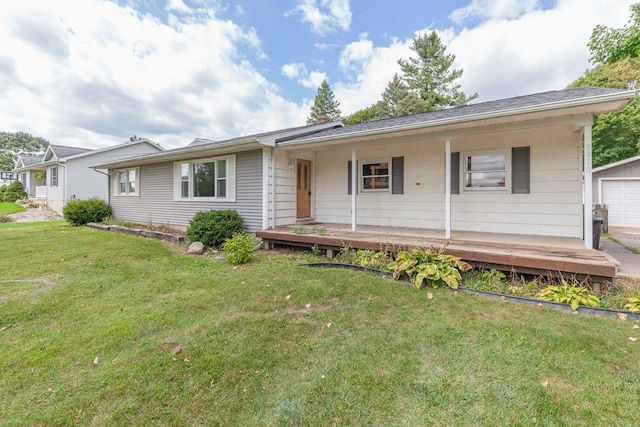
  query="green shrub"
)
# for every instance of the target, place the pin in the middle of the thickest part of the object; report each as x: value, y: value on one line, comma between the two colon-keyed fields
x: 213, y: 227
x: 81, y: 212
x: 571, y: 294
x: 13, y: 192
x: 238, y: 249
x: 431, y: 267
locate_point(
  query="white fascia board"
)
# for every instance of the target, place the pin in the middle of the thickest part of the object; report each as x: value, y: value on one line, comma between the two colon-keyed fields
x: 618, y: 163
x: 619, y: 96
x: 188, y: 152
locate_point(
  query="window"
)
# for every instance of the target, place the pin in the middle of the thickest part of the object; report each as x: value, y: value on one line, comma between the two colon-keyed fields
x: 128, y: 182
x: 375, y: 176
x: 205, y: 179
x: 23, y: 179
x: 54, y: 176
x: 380, y: 176
x: 485, y: 171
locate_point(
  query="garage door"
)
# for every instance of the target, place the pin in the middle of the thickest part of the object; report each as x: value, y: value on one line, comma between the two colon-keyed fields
x: 623, y: 199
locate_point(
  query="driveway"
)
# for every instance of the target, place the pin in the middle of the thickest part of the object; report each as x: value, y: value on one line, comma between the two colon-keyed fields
x: 621, y: 246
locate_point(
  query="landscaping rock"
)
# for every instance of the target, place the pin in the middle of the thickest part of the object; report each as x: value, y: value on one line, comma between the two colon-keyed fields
x: 196, y: 248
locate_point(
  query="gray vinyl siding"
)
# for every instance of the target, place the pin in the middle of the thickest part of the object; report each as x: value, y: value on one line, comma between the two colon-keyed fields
x: 155, y: 202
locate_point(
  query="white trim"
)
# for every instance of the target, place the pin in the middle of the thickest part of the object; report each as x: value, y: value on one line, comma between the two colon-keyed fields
x: 618, y: 163
x: 354, y: 190
x: 361, y: 176
x: 265, y: 187
x: 588, y: 188
x: 137, y: 183
x: 230, y: 180
x: 273, y: 186
x: 615, y: 178
x: 507, y: 171
x: 447, y: 189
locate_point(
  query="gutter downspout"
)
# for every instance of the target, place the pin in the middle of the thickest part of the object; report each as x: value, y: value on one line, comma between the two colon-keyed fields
x: 108, y: 183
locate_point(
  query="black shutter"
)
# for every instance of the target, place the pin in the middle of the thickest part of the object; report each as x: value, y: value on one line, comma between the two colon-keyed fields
x: 349, y: 177
x: 397, y: 179
x: 520, y: 170
x: 455, y: 173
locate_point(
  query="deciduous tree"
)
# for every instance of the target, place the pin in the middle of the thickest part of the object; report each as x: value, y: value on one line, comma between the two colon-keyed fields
x: 14, y: 143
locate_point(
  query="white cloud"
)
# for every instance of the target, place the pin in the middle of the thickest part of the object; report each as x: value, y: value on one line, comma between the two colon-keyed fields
x: 93, y: 73
x: 299, y: 72
x: 494, y: 9
x: 324, y: 15
x: 178, y: 6
x: 507, y: 54
x: 538, y: 51
x: 294, y: 70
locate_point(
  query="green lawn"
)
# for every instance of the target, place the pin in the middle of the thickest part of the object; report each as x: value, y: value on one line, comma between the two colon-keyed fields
x: 182, y: 340
x: 10, y: 208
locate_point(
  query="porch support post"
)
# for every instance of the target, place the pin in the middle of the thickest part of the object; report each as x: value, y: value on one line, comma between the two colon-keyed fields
x: 273, y: 188
x: 354, y: 186
x: 265, y: 188
x: 588, y: 188
x: 447, y: 189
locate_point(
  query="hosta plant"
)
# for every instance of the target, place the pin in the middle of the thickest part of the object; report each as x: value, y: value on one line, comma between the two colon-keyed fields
x: 633, y: 303
x: 571, y: 294
x: 429, y: 267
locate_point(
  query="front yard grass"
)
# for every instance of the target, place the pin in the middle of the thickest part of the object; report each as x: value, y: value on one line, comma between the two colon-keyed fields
x: 10, y: 208
x: 182, y: 340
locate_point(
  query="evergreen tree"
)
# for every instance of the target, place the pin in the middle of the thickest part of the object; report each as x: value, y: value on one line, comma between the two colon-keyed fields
x: 393, y: 94
x: 324, y: 105
x: 430, y: 76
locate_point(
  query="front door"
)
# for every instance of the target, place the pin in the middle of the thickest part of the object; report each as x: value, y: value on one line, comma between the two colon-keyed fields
x: 303, y: 186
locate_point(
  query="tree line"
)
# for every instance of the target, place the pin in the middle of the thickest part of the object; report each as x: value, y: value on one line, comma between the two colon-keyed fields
x: 427, y: 82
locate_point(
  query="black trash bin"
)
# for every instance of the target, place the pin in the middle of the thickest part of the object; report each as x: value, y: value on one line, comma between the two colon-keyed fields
x: 597, y: 229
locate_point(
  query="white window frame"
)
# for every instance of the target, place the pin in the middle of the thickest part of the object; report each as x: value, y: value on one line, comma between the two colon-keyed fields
x: 507, y: 170
x: 54, y: 176
x: 136, y: 182
x: 230, y: 187
x: 362, y: 177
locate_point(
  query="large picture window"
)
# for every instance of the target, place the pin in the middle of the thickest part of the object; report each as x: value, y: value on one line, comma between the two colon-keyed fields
x: 205, y: 179
x: 485, y: 171
x: 128, y: 182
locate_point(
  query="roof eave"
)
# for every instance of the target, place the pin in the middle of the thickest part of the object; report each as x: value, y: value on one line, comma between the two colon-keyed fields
x: 188, y: 152
x: 557, y: 105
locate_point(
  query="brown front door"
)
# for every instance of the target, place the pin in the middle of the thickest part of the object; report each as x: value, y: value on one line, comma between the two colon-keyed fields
x: 303, y: 186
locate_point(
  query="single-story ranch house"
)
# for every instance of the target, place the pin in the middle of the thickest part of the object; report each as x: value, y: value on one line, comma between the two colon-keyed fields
x: 67, y: 173
x: 518, y: 166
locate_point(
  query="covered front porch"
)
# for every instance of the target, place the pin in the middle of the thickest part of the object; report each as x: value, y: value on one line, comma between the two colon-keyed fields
x: 527, y: 254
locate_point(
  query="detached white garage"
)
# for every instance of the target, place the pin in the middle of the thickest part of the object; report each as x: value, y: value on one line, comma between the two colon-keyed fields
x: 618, y: 186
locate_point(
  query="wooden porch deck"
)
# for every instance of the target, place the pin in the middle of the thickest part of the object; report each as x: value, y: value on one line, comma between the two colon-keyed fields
x: 524, y: 254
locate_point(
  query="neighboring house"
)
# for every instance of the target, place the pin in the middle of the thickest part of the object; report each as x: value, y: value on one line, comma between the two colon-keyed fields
x: 68, y: 173
x: 511, y: 166
x: 7, y: 177
x: 29, y: 178
x: 618, y: 186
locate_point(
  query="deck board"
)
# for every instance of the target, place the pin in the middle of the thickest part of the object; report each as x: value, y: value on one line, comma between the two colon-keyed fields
x: 522, y: 258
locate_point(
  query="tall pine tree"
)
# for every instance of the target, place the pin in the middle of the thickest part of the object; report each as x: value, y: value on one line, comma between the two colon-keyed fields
x: 430, y: 76
x: 392, y: 96
x: 324, y: 105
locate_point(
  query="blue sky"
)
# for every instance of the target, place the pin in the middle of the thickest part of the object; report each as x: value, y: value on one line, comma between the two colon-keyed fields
x: 91, y: 73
